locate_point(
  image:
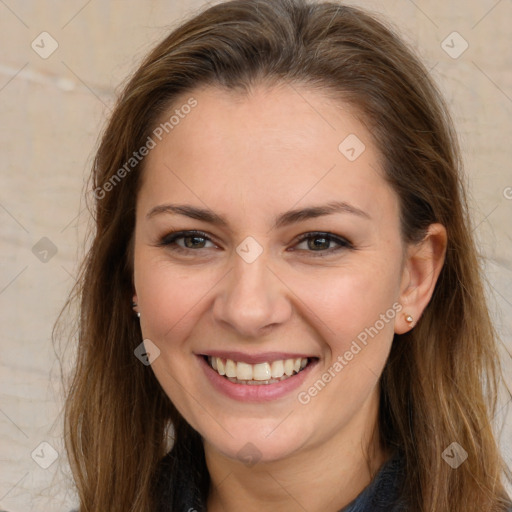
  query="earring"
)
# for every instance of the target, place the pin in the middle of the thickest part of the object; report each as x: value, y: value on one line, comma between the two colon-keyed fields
x: 409, y: 319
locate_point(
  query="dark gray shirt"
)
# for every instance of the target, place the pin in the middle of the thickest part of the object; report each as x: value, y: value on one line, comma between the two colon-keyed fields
x: 383, y: 492
x: 381, y: 495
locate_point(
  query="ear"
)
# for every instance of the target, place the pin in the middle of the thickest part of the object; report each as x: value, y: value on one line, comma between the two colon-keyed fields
x: 422, y: 266
x: 135, y: 302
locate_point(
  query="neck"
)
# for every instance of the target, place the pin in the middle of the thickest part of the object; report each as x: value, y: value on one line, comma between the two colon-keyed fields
x: 325, y: 476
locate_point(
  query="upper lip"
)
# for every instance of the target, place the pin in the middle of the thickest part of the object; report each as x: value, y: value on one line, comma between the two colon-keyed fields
x: 260, y: 357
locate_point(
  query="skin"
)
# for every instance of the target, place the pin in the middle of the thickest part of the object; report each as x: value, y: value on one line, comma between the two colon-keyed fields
x: 250, y: 158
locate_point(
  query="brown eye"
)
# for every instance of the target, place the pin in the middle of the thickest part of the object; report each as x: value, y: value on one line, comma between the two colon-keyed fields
x: 184, y: 240
x: 322, y: 243
x: 194, y: 241
x: 317, y: 242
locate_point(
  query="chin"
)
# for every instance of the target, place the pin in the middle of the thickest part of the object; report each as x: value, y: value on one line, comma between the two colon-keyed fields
x: 260, y: 443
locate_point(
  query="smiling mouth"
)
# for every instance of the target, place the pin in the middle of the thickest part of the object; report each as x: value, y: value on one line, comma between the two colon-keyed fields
x: 257, y: 374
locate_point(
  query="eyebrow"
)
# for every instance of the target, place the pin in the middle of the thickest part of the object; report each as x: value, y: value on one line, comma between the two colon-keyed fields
x: 284, y: 219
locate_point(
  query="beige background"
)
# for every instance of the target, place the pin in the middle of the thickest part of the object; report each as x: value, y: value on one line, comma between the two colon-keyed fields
x: 52, y: 111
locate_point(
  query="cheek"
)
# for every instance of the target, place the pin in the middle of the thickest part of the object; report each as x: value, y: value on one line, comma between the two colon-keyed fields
x: 345, y: 302
x: 355, y: 317
x: 340, y: 303
x: 170, y: 298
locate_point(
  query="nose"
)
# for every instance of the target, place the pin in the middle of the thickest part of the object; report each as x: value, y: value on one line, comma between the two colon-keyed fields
x: 253, y: 299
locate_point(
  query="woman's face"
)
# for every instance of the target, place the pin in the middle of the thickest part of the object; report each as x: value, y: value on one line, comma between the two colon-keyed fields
x: 253, y: 176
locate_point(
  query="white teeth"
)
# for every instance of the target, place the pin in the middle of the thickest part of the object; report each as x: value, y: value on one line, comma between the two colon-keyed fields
x: 262, y: 373
x: 277, y: 369
x: 288, y: 366
x: 243, y: 371
x: 230, y: 368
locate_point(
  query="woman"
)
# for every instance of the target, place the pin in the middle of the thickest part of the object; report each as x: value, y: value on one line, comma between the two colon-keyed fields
x: 280, y: 217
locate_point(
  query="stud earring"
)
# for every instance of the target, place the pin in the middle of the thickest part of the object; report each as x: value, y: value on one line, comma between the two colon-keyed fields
x: 409, y: 319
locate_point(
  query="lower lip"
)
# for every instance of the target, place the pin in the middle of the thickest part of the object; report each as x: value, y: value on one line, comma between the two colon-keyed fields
x: 258, y: 392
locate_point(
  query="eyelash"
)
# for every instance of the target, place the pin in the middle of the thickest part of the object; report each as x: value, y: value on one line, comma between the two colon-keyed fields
x: 169, y: 241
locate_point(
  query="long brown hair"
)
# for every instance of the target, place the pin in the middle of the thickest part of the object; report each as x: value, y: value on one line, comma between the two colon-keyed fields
x: 440, y: 383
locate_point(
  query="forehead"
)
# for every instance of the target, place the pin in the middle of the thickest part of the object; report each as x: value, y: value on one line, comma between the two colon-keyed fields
x: 284, y: 145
